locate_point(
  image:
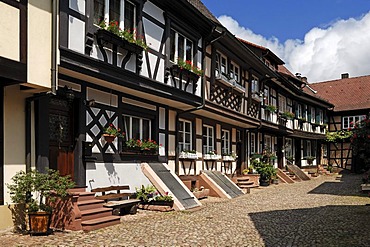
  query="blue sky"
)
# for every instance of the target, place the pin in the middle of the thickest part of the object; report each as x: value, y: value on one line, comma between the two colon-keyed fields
x: 321, y: 39
x: 287, y: 19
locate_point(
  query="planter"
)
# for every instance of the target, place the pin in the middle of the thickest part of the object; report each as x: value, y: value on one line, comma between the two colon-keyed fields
x: 110, y: 37
x: 211, y: 157
x: 228, y: 158
x: 159, y: 203
x: 264, y: 182
x: 109, y: 138
x: 184, y: 155
x: 182, y: 78
x: 39, y: 222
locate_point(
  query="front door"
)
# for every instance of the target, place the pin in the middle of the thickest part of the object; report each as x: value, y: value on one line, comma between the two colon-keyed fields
x: 61, y: 145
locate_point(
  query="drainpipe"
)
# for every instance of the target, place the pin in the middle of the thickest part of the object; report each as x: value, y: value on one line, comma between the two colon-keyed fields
x: 54, y: 47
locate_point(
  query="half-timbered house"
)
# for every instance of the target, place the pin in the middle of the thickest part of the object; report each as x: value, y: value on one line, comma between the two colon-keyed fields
x: 350, y: 97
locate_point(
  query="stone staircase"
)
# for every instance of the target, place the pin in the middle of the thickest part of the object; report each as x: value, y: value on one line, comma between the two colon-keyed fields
x: 93, y: 215
x: 245, y: 184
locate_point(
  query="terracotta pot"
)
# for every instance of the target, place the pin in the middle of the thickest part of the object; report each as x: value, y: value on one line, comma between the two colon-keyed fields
x: 109, y: 138
x: 39, y: 222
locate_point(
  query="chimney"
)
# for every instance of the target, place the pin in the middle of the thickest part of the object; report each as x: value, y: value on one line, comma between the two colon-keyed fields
x: 304, y: 79
x: 345, y: 75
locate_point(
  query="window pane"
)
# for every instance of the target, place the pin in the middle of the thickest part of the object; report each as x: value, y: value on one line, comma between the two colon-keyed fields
x: 127, y: 127
x: 98, y: 11
x: 187, y: 127
x: 187, y: 138
x: 180, y: 48
x: 114, y: 10
x: 189, y: 50
x: 146, y: 129
x: 135, y: 128
x: 129, y: 21
x: 172, y: 46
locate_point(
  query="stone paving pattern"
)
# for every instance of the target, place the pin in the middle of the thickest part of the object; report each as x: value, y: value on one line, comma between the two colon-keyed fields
x: 326, y: 211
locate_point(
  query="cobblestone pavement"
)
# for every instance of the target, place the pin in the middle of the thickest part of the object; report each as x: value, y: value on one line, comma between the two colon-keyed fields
x: 326, y: 211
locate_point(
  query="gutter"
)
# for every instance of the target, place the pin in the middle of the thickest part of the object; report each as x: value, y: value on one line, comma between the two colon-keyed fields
x: 54, y: 47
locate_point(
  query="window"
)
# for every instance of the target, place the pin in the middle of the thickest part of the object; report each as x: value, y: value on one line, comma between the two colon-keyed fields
x: 234, y: 72
x: 113, y: 12
x: 225, y: 142
x: 180, y: 47
x: 313, y: 115
x: 266, y: 96
x: 268, y: 143
x: 185, y: 131
x: 308, y: 148
x: 208, y: 139
x: 137, y: 128
x: 288, y: 148
x: 223, y: 65
x: 254, y: 85
x: 299, y: 111
x: 253, y: 143
x: 282, y: 103
x: 320, y: 116
x: 350, y: 121
x: 289, y: 105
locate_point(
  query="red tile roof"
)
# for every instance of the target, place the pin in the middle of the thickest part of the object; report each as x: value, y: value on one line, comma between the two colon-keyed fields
x: 346, y: 94
x: 284, y: 70
x: 252, y: 44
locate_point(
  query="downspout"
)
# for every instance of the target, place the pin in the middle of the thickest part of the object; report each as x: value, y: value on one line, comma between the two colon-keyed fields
x: 54, y: 47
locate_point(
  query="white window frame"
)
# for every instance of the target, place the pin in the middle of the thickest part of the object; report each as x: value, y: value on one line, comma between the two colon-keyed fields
x: 309, y: 148
x: 225, y: 141
x: 184, y: 133
x: 122, y: 13
x: 268, y: 142
x: 299, y: 111
x: 282, y: 103
x: 208, y: 147
x: 253, y: 143
x: 129, y: 132
x: 235, y: 72
x: 313, y: 114
x: 350, y: 121
x: 254, y: 85
x: 178, y: 56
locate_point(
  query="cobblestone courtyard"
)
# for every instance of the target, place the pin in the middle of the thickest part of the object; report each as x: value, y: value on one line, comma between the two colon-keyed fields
x: 326, y: 211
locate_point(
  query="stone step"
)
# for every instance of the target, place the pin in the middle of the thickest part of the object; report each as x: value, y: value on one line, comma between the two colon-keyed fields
x: 242, y: 179
x: 95, y: 213
x: 90, y: 204
x: 86, y: 196
x: 245, y: 183
x: 248, y: 186
x: 94, y: 224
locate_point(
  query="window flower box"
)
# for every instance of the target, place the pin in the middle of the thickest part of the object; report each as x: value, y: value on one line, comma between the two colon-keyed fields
x: 188, y: 155
x: 109, y: 37
x: 228, y: 158
x: 211, y: 157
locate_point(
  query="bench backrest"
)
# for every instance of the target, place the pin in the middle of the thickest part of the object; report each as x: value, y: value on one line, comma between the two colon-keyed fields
x: 111, y: 188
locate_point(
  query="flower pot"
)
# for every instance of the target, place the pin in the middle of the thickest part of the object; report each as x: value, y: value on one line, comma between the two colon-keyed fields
x: 109, y: 138
x: 39, y: 222
x: 161, y: 203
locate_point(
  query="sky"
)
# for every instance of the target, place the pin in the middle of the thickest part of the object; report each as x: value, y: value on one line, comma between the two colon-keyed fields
x: 321, y: 39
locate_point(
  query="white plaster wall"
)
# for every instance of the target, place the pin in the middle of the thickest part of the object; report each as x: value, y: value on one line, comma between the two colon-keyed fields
x: 14, y: 134
x: 39, y: 42
x: 76, y: 35
x: 9, y: 25
x: 153, y: 34
x: 106, y: 174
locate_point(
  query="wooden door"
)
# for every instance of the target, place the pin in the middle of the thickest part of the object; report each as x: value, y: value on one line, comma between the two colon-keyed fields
x: 61, y: 145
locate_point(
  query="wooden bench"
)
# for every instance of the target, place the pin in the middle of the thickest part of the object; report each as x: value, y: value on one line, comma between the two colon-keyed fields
x: 116, y: 199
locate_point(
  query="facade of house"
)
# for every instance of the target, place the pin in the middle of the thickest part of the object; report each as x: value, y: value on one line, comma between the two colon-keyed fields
x: 25, y: 71
x: 68, y: 75
x: 350, y: 97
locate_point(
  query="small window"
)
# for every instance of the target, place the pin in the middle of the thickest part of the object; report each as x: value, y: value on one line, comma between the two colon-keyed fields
x: 137, y: 128
x: 255, y: 85
x: 223, y: 66
x: 225, y: 142
x: 208, y: 139
x: 253, y: 143
x: 282, y: 103
x: 180, y: 47
x: 350, y: 121
x: 98, y: 11
x: 185, y: 135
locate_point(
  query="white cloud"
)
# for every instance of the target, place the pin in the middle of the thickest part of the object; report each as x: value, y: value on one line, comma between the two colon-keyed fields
x: 324, y: 54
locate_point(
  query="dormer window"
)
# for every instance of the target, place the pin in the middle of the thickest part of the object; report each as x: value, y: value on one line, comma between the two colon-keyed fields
x: 181, y: 47
x: 111, y: 10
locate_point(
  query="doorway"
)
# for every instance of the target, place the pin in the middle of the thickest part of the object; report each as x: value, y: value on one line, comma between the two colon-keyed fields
x: 61, y: 136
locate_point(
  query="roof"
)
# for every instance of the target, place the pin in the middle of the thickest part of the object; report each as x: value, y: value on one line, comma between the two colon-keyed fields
x: 346, y: 94
x: 284, y: 70
x: 203, y: 10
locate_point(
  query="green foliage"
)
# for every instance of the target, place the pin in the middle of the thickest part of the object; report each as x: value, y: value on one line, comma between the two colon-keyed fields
x: 145, y: 193
x: 338, y: 136
x: 270, y: 108
x: 142, y: 144
x: 35, y: 189
x: 164, y: 198
x: 262, y: 164
x: 309, y: 159
x: 188, y: 65
x: 129, y: 35
x: 287, y: 115
x: 113, y: 131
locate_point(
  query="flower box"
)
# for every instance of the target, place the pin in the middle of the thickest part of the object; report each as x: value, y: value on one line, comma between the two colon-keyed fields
x: 112, y: 38
x: 228, y: 158
x: 186, y: 155
x: 211, y: 157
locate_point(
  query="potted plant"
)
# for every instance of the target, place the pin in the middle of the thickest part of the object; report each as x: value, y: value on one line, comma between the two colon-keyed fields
x: 310, y: 159
x: 188, y: 154
x: 262, y: 164
x: 145, y: 193
x: 287, y: 115
x: 111, y: 132
x: 270, y: 108
x: 149, y: 146
x: 36, y: 191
